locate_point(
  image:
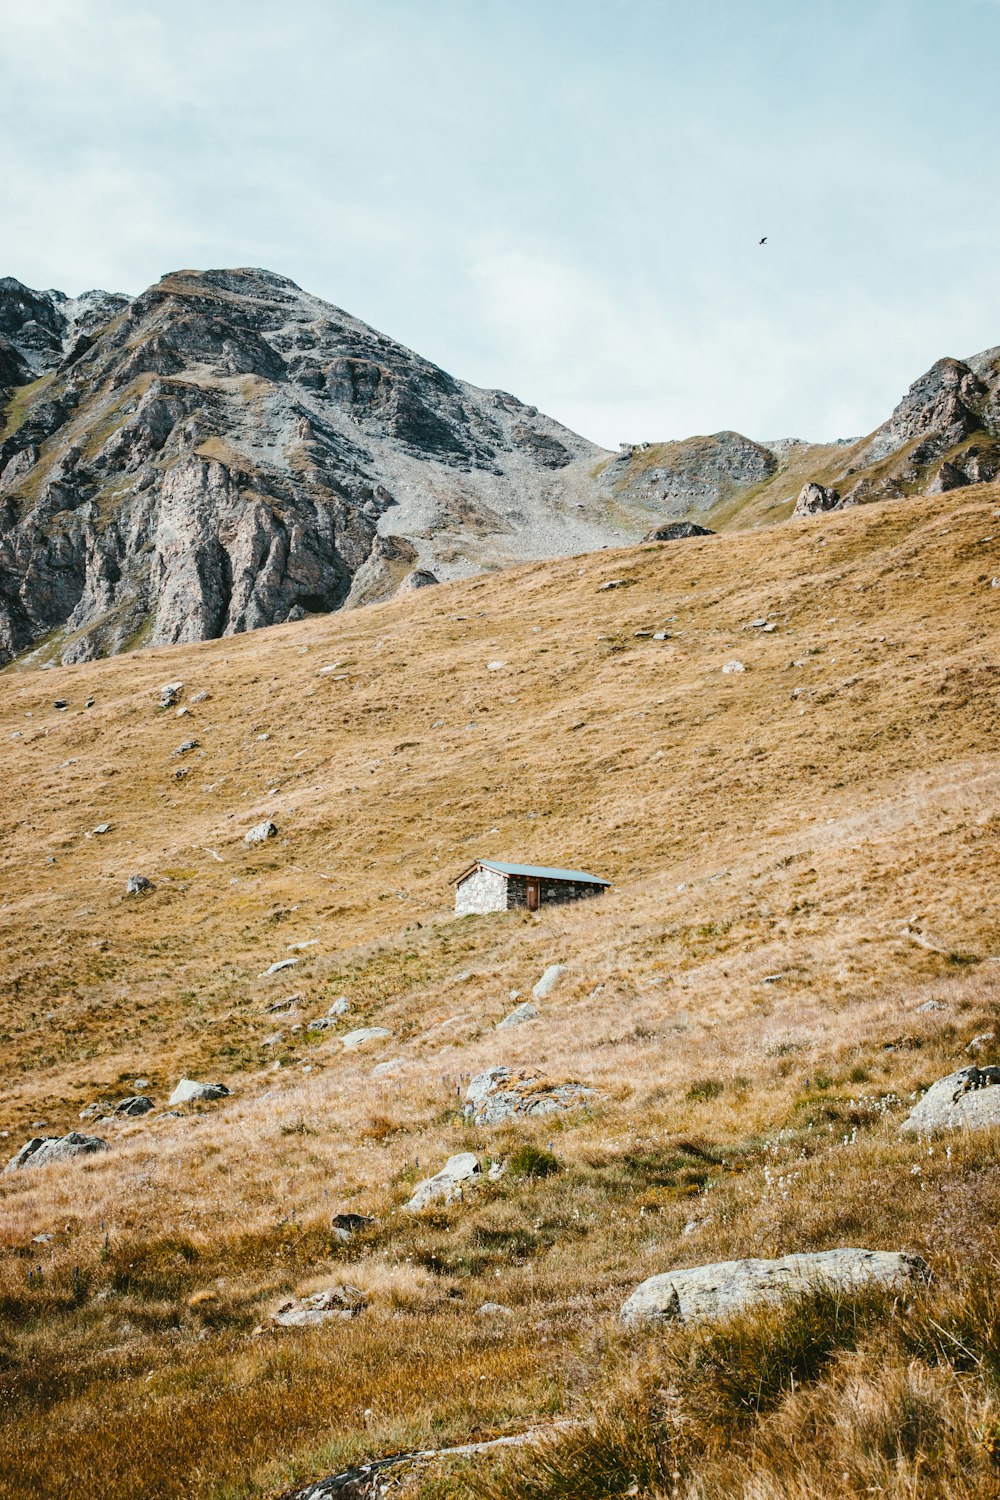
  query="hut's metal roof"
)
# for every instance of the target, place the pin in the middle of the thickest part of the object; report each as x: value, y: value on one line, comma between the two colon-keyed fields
x: 538, y: 872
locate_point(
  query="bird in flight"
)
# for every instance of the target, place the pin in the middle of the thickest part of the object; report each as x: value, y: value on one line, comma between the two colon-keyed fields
x: 763, y: 241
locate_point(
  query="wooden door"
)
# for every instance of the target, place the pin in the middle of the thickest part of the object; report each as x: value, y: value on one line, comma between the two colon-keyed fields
x: 534, y: 892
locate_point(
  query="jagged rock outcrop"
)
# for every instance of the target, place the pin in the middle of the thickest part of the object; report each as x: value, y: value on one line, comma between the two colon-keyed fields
x: 677, y: 531
x: 226, y: 451
x: 814, y: 498
x: 680, y: 478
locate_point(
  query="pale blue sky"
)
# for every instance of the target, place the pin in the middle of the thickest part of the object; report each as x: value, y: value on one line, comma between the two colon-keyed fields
x: 559, y: 197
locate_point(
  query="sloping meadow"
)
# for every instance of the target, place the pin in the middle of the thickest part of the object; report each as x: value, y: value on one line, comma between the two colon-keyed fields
x: 800, y: 938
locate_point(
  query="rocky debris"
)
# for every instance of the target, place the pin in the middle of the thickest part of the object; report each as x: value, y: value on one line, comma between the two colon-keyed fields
x: 44, y: 1149
x: 228, y: 452
x: 677, y: 531
x: 968, y: 1097
x: 691, y: 475
x: 447, y: 1185
x: 729, y: 1286
x: 548, y: 981
x: 278, y: 966
x: 733, y: 666
x: 346, y: 1226
x: 363, y: 1035
x: 334, y: 1304
x: 503, y: 1093
x: 948, y: 477
x: 188, y: 1091
x: 138, y: 885
x: 134, y: 1105
x: 169, y: 693
x: 521, y: 1013
x: 340, y: 1006
x: 260, y: 833
x: 815, y: 498
x: 980, y: 1041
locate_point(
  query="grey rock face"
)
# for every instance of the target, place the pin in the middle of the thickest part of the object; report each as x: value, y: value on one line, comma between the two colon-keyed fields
x: 814, y: 498
x: 503, y: 1093
x: 716, y: 1291
x: 189, y: 1090
x: 948, y: 477
x: 226, y: 451
x: 43, y: 1150
x: 448, y: 1184
x: 959, y: 1100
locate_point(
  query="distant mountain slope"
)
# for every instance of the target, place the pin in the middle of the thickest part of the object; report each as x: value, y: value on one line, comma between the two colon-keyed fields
x: 226, y: 451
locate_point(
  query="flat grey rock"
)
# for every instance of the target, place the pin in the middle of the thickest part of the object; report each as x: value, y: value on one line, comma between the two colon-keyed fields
x: 363, y: 1035
x: 385, y: 1069
x: 41, y: 1151
x: 548, y: 981
x: 136, y: 1104
x: 188, y: 1091
x: 939, y: 1109
x: 340, y: 1007
x: 278, y: 966
x: 502, y: 1093
x: 521, y: 1013
x: 447, y: 1185
x: 728, y: 1286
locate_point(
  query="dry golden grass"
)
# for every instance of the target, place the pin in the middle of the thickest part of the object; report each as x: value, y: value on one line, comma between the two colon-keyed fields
x: 833, y: 822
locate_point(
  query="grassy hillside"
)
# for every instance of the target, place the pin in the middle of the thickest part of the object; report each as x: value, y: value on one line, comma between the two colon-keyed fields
x: 802, y: 855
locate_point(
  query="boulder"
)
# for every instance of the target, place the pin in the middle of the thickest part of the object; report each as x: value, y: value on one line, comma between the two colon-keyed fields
x: 548, y: 981
x: 136, y: 1104
x: 169, y: 693
x: 503, y: 1093
x: 418, y: 578
x: 948, y: 477
x: 676, y: 531
x: 44, y: 1149
x: 445, y: 1186
x: 523, y: 1012
x: 331, y: 1305
x: 815, y: 498
x: 260, y: 833
x: 494, y: 1310
x: 137, y: 885
x: 733, y: 666
x: 729, y: 1286
x: 321, y: 1023
x: 363, y: 1035
x: 961, y: 1099
x: 188, y: 1091
x: 340, y: 1007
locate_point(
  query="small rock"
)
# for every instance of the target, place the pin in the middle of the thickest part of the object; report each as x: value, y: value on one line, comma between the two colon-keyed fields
x: 676, y: 531
x: 201, y: 697
x: 43, y: 1150
x: 135, y: 1104
x: 363, y: 1035
x: 277, y: 966
x: 980, y: 1041
x: 184, y: 748
x: 188, y: 1090
x: 169, y: 693
x: 103, y: 828
x: 346, y: 1226
x: 501, y: 1093
x: 383, y: 1069
x: 661, y: 635
x: 548, y: 981
x: 335, y: 1303
x: 182, y: 712
x: 340, y: 1006
x: 260, y: 833
x: 495, y: 666
x: 612, y: 583
x: 419, y: 578
x: 42, y: 1239
x: 137, y: 885
x: 524, y: 1012
x: 929, y: 1005
x: 494, y: 1310
x: 733, y: 666
x: 446, y: 1185
x: 89, y: 703
x: 814, y: 499
x: 725, y: 1287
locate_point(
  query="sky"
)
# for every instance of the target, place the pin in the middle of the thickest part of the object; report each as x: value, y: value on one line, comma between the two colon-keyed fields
x: 560, y: 198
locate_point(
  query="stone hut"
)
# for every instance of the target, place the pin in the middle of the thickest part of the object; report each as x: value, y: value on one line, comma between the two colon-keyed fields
x: 492, y: 885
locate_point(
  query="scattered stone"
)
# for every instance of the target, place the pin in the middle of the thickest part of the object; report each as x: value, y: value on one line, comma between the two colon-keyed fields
x: 726, y: 1287
x: 502, y: 1093
x: 331, y: 1305
x: 733, y: 666
x: 102, y: 828
x: 814, y: 499
x: 60, y: 703
x: 382, y: 1069
x: 184, y: 748
x: 661, y: 635
x: 346, y: 1226
x: 321, y: 1023
x: 446, y: 1186
x: 340, y: 1006
x: 968, y: 1097
x: 90, y: 1111
x: 524, y: 1012
x: 676, y: 531
x: 613, y: 583
x: 495, y: 666
x: 980, y: 1041
x: 42, y: 1239
x: 44, y: 1149
x: 182, y: 712
x: 169, y: 693
x: 277, y: 966
x: 260, y: 833
x: 89, y: 703
x: 135, y: 1104
x: 494, y: 1310
x: 300, y: 947
x: 188, y: 1091
x: 929, y: 1005
x: 364, y: 1034
x: 138, y: 885
x: 201, y: 697
x: 548, y: 981
x: 181, y: 772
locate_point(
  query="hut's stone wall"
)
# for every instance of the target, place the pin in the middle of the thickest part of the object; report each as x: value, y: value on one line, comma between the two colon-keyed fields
x: 551, y: 892
x: 486, y: 890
